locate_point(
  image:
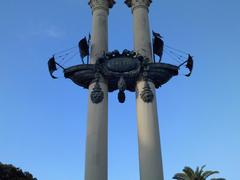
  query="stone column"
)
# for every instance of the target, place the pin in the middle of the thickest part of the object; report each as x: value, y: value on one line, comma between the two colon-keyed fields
x: 96, y: 162
x: 150, y: 159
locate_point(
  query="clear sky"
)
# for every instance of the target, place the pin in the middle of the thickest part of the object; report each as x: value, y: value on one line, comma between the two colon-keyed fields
x: 43, y: 121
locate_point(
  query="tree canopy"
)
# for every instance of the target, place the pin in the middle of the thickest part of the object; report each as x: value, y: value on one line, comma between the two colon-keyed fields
x: 9, y: 172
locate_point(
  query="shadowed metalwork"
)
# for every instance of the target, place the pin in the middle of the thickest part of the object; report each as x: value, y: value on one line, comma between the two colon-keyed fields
x: 122, y: 71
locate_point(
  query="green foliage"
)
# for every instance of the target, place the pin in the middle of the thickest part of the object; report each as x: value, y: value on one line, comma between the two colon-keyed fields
x: 199, y: 174
x: 9, y: 172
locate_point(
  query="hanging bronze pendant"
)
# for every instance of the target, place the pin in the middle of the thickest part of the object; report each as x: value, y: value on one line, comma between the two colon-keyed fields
x: 147, y: 94
x: 122, y: 88
x: 97, y: 94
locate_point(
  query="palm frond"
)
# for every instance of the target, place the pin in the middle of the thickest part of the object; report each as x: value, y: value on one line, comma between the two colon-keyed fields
x: 181, y: 176
x: 189, y: 172
x: 206, y: 174
x: 201, y: 170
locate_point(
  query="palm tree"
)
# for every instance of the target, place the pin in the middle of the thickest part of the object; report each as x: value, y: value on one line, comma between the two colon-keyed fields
x: 198, y: 174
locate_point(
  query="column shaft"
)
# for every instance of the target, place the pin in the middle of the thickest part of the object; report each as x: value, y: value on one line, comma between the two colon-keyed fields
x: 99, y: 41
x: 96, y: 162
x: 142, y: 42
x: 150, y: 159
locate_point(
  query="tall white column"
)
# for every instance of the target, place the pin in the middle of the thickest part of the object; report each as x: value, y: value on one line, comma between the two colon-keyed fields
x: 150, y: 159
x: 96, y: 162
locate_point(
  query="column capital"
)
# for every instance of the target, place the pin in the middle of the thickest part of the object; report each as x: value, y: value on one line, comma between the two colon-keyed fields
x: 101, y: 4
x: 136, y: 3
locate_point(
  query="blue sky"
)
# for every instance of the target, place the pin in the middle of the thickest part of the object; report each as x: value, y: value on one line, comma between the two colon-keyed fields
x: 43, y: 121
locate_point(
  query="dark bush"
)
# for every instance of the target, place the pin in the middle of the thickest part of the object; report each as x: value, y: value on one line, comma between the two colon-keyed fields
x: 9, y: 172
